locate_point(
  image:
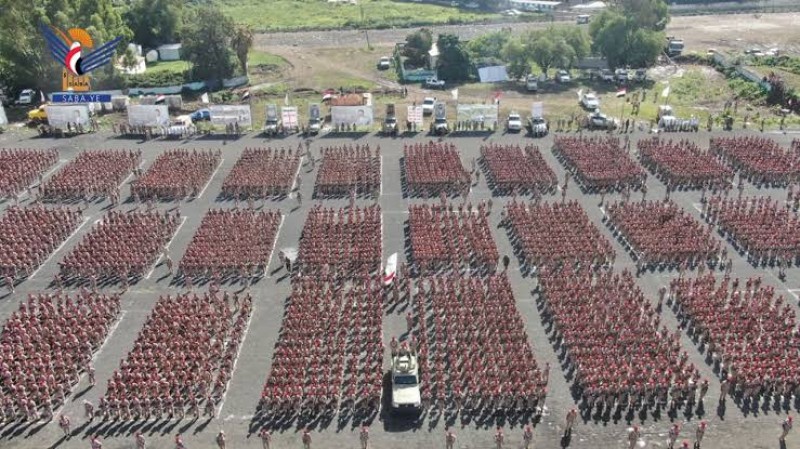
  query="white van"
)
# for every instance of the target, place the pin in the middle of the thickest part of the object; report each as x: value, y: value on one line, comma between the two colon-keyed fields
x: 583, y: 19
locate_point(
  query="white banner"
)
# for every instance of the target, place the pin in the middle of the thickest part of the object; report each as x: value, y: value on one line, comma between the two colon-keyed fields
x: 349, y: 115
x: 59, y: 116
x: 493, y: 74
x: 537, y: 109
x: 289, y: 116
x: 3, y: 118
x: 224, y: 114
x: 486, y: 113
x: 148, y: 115
x: 415, y: 114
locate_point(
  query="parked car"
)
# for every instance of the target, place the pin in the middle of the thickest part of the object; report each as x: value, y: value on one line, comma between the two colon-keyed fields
x: 598, y: 120
x: 607, y: 75
x: 427, y: 105
x: 537, y: 126
x: 562, y: 76
x: 640, y: 75
x: 200, y: 115
x: 532, y: 83
x: 590, y: 101
x: 384, y: 63
x: 514, y: 123
x: 26, y: 96
x: 621, y: 75
x: 434, y: 83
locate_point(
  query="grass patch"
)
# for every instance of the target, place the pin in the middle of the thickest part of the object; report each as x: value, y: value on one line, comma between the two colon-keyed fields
x: 260, y: 58
x: 167, y: 67
x: 286, y: 15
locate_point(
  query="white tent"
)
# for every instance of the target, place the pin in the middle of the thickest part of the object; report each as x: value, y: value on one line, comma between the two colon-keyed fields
x: 593, y: 6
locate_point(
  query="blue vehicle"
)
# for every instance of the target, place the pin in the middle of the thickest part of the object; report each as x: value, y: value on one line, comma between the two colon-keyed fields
x: 200, y: 115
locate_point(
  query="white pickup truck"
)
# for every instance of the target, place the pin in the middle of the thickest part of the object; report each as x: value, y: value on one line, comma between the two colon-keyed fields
x: 406, y: 396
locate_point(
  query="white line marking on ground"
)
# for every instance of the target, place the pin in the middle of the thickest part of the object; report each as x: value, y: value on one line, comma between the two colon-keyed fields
x: 274, y: 244
x: 60, y: 247
x: 44, y: 176
x: 698, y: 207
x: 200, y: 195
x: 125, y: 181
x: 792, y: 291
x: 183, y: 220
x: 96, y: 354
x: 297, y: 173
x: 236, y: 360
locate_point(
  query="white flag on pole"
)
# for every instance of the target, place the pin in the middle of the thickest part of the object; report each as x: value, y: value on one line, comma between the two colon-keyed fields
x: 454, y: 92
x: 286, y: 99
x: 665, y: 92
x: 391, y: 269
x: 204, y: 98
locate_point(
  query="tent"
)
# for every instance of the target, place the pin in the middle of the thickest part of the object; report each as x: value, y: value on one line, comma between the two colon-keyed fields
x: 593, y: 6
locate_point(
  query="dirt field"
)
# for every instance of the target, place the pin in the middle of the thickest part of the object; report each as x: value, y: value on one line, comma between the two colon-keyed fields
x: 700, y: 90
x: 738, y: 32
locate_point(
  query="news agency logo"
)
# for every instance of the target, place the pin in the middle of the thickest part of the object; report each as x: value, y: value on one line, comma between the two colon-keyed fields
x: 71, y: 49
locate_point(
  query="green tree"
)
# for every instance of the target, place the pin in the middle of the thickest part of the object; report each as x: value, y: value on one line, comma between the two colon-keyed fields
x: 129, y: 60
x: 206, y: 38
x: 648, y: 14
x: 645, y: 46
x: 454, y: 63
x: 489, y: 45
x: 155, y: 22
x: 541, y: 49
x: 516, y: 57
x: 631, y: 33
x: 418, y: 44
x: 609, y: 32
x: 242, y: 43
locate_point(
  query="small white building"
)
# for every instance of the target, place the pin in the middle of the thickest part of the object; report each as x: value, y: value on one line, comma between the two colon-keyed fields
x: 169, y: 52
x: 534, y: 5
x: 433, y: 55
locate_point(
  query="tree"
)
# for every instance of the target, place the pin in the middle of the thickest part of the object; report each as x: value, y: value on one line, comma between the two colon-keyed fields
x: 541, y: 49
x: 454, y: 63
x: 155, y: 22
x: 242, y: 43
x: 418, y: 44
x: 516, y: 58
x: 652, y: 15
x: 206, y: 38
x: 489, y: 45
x: 619, y: 36
x: 129, y: 60
x: 609, y: 33
x: 24, y: 57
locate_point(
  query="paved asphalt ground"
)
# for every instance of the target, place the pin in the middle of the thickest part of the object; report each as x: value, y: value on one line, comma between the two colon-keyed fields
x: 728, y: 429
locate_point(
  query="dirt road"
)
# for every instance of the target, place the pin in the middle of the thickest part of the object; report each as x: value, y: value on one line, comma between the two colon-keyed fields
x: 699, y: 32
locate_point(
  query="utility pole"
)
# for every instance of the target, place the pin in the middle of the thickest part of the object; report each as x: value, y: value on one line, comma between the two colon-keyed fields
x: 366, y: 31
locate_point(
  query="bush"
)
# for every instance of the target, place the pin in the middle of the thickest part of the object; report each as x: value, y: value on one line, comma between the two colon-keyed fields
x: 746, y: 90
x: 157, y: 79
